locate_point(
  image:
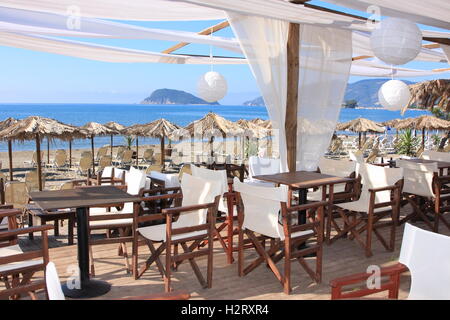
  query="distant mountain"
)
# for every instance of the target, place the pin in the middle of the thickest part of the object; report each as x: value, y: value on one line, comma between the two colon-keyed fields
x: 365, y: 92
x: 170, y: 96
x: 255, y: 102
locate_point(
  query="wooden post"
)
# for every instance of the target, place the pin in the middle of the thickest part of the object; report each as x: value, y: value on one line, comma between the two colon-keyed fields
x: 111, y: 146
x: 293, y: 46
x: 93, y: 156
x: 10, y: 160
x: 359, y: 140
x: 39, y: 160
x: 162, y: 154
x: 48, y: 151
x: 137, y: 150
x: 70, y: 153
x: 423, y: 138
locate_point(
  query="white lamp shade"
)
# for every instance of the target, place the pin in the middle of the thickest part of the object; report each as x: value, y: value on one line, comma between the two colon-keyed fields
x: 212, y: 86
x: 394, y: 95
x: 396, y: 41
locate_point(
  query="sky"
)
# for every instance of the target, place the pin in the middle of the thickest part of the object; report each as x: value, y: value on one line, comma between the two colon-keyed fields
x: 37, y: 77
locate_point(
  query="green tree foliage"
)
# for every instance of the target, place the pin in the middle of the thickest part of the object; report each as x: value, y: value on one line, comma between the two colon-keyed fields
x: 129, y: 140
x: 351, y: 104
x: 407, y: 143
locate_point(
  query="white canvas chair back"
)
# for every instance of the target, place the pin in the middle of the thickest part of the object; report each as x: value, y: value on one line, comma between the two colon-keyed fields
x: 102, y: 152
x: 196, y: 191
x: 86, y: 154
x: 338, y: 168
x: 377, y: 177
x: 215, y: 175
x: 127, y: 156
x: 186, y: 168
x: 120, y: 151
x: 35, y: 157
x: 426, y: 254
x: 418, y: 177
x: 107, y: 172
x: 52, y: 283
x: 260, y: 166
x: 262, y: 207
x: 135, y: 182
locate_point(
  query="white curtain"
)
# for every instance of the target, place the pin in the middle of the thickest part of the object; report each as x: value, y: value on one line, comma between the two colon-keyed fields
x: 446, y: 52
x: 263, y: 42
x: 325, y: 61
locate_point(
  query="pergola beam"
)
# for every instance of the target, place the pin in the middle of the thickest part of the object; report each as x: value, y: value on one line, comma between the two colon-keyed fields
x: 207, y: 31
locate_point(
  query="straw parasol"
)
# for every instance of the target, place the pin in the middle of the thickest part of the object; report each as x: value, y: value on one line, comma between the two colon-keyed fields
x: 35, y: 128
x: 92, y: 129
x: 114, y: 126
x: 160, y: 128
x: 209, y: 123
x: 424, y: 123
x: 429, y: 94
x: 360, y: 125
x: 3, y: 125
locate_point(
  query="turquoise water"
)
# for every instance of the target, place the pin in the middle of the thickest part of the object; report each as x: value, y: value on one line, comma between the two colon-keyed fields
x: 129, y: 114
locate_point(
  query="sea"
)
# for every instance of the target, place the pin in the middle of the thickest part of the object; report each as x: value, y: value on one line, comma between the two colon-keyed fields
x: 129, y: 114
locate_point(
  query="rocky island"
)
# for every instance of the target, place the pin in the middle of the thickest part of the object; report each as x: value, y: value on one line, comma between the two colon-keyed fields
x: 171, y: 96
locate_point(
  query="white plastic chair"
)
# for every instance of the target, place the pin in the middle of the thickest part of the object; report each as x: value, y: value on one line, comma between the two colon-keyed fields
x: 259, y: 210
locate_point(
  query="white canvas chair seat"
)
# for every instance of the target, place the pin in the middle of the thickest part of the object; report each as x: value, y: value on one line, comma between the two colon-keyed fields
x: 157, y: 233
x: 170, y: 180
x: 317, y: 194
x: 13, y: 250
x: 360, y: 206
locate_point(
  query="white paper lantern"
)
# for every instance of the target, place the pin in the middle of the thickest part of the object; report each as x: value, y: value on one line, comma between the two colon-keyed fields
x: 396, y: 41
x: 212, y: 86
x: 394, y: 95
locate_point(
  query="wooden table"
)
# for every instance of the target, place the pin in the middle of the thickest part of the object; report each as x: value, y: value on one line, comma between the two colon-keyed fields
x: 302, y: 181
x: 81, y: 199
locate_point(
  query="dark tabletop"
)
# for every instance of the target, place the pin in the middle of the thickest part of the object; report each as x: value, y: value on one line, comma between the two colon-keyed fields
x: 302, y: 179
x: 81, y: 197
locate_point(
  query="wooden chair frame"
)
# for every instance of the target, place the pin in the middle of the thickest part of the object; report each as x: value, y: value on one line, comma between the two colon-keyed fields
x: 289, y: 248
x: 356, y: 223
x: 437, y: 206
x: 18, y: 281
x: 391, y: 284
x: 173, y: 258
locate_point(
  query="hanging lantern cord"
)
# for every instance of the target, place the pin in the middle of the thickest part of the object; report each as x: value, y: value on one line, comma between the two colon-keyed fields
x: 210, y: 51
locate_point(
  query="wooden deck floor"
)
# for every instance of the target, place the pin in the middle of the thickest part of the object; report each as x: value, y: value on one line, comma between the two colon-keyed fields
x: 343, y: 257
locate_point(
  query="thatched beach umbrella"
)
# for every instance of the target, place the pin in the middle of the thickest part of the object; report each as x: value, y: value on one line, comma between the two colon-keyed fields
x: 35, y: 128
x: 3, y: 125
x: 431, y: 93
x: 360, y: 125
x: 209, y: 123
x: 160, y: 128
x: 424, y: 123
x: 92, y: 129
x: 114, y: 126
